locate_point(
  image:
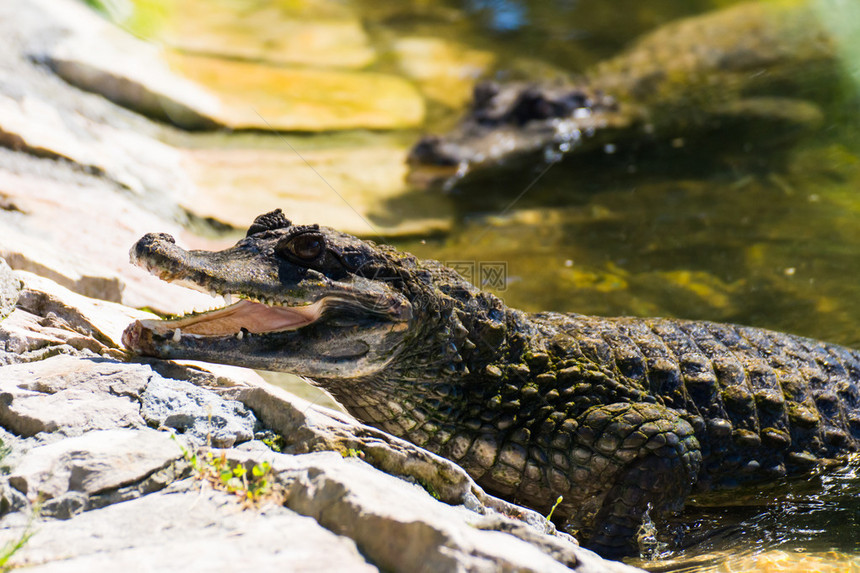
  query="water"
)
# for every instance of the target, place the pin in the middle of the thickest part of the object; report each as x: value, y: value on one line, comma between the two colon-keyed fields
x: 730, y: 226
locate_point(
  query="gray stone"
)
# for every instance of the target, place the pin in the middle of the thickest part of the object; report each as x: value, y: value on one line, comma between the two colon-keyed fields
x: 60, y: 309
x: 100, y: 225
x: 400, y: 527
x: 10, y: 286
x: 11, y: 500
x: 186, y: 529
x: 94, y: 463
x: 71, y: 395
x: 307, y: 427
x: 197, y: 413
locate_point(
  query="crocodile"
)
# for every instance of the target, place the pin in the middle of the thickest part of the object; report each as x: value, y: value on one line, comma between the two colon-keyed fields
x: 617, y: 416
x: 763, y: 61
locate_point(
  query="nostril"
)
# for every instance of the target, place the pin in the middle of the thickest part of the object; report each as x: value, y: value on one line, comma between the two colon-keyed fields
x: 430, y: 151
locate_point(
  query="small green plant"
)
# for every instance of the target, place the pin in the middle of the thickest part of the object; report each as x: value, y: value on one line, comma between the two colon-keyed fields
x: 428, y: 487
x: 551, y: 511
x: 10, y: 548
x: 252, y: 488
x: 275, y: 442
x: 4, y: 451
x: 352, y: 453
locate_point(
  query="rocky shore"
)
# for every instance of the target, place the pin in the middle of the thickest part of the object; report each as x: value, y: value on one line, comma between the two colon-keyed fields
x: 114, y: 462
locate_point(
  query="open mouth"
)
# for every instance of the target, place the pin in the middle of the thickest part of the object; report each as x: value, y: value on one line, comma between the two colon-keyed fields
x: 245, y: 316
x: 235, y: 320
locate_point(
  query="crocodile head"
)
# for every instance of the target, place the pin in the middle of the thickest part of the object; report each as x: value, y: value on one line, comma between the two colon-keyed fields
x: 305, y: 299
x: 510, y: 122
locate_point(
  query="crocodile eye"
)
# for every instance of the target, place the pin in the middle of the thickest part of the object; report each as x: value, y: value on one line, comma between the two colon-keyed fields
x: 306, y: 247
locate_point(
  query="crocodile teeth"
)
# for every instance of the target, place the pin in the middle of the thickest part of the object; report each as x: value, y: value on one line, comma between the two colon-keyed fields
x: 228, y: 299
x: 240, y: 335
x: 177, y: 335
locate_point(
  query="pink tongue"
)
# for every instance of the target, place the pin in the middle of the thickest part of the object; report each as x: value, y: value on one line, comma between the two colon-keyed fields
x: 252, y: 316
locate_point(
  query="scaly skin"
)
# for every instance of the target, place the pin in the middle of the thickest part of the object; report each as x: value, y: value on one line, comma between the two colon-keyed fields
x: 613, y: 414
x: 765, y: 61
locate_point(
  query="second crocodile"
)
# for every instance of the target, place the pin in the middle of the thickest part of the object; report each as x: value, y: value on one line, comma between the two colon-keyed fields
x: 767, y: 61
x: 614, y: 414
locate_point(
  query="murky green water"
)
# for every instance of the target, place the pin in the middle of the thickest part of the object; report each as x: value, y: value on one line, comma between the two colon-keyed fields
x: 733, y: 226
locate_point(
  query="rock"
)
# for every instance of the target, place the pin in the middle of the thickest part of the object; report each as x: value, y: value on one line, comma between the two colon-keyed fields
x: 202, y: 92
x: 28, y: 253
x: 132, y: 73
x: 186, y: 529
x: 343, y: 187
x: 104, y: 321
x: 98, y: 461
x: 323, y: 34
x: 71, y: 396
x: 352, y: 500
x: 51, y: 320
x: 444, y: 70
x: 197, y: 413
x: 25, y: 337
x: 38, y: 127
x: 300, y: 99
x: 384, y: 515
x: 83, y: 244
x: 10, y: 286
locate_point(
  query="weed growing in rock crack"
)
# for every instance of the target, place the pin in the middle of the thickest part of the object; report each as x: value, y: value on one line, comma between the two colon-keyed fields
x: 275, y: 442
x: 551, y: 511
x: 10, y: 548
x: 428, y: 487
x: 252, y: 488
x: 4, y: 451
x: 353, y: 453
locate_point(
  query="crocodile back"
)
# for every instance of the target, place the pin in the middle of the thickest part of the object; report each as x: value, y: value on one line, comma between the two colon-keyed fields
x: 763, y: 404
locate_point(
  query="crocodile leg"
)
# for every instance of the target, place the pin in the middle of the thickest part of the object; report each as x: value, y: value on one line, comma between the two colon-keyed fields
x: 661, y: 458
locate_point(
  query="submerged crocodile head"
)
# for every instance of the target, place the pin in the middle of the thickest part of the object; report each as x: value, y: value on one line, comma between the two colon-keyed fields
x: 308, y: 300
x: 510, y: 122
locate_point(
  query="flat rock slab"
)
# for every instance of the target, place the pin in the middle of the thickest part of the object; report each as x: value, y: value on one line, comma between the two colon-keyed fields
x: 71, y: 396
x: 444, y: 70
x: 50, y: 319
x: 322, y: 34
x: 94, y: 463
x: 101, y: 319
x: 83, y: 244
x: 187, y: 530
x: 299, y: 99
x: 342, y: 187
x: 195, y: 91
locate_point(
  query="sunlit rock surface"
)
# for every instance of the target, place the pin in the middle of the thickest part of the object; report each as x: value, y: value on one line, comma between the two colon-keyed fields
x: 342, y: 187
x: 83, y: 244
x: 259, y: 96
x: 184, y: 528
x: 199, y: 92
x: 315, y: 34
